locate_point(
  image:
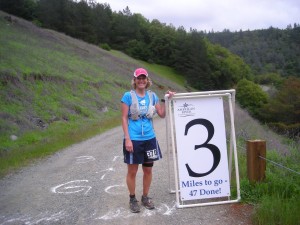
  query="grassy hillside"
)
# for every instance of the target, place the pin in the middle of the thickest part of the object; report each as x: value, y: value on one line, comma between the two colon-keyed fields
x: 53, y: 86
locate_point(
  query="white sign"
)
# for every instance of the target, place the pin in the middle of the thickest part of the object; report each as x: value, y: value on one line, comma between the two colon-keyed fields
x: 201, y: 148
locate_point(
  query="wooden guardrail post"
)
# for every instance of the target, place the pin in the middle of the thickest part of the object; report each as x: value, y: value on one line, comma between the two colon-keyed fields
x: 256, y: 166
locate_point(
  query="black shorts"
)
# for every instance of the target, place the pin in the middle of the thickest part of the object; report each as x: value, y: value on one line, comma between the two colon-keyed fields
x: 143, y: 152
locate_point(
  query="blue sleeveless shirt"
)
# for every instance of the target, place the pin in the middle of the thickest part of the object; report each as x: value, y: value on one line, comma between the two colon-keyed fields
x: 141, y: 129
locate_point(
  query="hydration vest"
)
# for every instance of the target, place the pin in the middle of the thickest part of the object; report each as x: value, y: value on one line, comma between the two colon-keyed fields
x: 135, y: 113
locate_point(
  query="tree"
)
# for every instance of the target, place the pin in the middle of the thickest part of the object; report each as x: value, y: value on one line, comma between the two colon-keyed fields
x: 284, y: 107
x: 56, y: 14
x: 162, y: 42
x: 125, y: 27
x: 22, y: 8
x: 138, y: 50
x: 227, y: 68
x: 101, y: 19
x: 84, y: 22
x: 251, y: 96
x: 283, y: 111
x: 190, y: 59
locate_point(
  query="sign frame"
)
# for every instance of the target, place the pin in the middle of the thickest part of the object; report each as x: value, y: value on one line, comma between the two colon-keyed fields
x: 172, y: 146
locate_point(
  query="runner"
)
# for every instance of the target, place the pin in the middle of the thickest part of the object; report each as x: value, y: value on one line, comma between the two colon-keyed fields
x: 140, y: 145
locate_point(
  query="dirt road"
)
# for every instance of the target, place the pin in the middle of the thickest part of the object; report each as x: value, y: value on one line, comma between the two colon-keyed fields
x: 85, y: 184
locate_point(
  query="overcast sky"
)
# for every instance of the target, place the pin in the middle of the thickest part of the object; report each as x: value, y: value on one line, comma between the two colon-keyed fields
x: 215, y: 15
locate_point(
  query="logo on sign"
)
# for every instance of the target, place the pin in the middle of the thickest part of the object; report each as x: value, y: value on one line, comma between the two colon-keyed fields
x: 186, y: 110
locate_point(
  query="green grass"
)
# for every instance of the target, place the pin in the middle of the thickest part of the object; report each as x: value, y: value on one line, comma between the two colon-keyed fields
x: 276, y: 199
x: 277, y: 210
x: 36, y: 145
x: 167, y: 72
x: 35, y: 55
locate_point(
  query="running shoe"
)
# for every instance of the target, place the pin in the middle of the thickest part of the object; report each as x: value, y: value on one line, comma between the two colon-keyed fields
x: 134, y: 205
x: 147, y: 202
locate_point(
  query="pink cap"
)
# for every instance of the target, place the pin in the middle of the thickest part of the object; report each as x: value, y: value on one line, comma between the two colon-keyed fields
x: 140, y: 71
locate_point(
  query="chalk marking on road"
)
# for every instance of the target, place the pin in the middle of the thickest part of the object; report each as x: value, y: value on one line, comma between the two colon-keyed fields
x: 85, y: 159
x: 116, y: 157
x: 29, y: 220
x: 107, y: 190
x: 169, y: 210
x: 110, y: 215
x: 120, y: 212
x: 12, y: 220
x: 148, y: 213
x: 125, y: 213
x: 54, y: 217
x: 109, y: 169
x: 77, y: 188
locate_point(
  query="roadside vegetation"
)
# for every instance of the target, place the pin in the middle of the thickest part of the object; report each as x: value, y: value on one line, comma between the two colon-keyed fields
x: 56, y: 91
x: 276, y: 199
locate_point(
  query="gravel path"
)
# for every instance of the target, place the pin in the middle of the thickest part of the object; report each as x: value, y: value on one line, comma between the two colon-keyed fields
x: 85, y: 184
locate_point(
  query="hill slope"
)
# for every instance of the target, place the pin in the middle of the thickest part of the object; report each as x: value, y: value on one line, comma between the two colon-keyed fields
x: 48, y: 78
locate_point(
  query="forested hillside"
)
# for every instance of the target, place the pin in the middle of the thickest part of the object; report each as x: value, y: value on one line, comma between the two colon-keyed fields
x: 266, y: 51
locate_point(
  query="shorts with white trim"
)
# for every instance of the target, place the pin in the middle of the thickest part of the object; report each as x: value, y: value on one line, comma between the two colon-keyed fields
x: 143, y: 152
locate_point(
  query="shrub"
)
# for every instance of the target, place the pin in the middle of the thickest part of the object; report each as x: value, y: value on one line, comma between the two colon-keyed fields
x: 250, y: 96
x: 105, y: 46
x: 291, y: 131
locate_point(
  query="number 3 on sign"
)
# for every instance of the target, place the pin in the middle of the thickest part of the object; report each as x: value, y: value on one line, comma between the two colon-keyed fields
x: 214, y: 149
